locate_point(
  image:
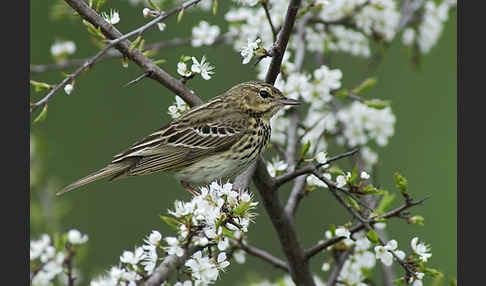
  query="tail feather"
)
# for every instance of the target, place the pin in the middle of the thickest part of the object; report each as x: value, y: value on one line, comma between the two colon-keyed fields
x: 115, y: 169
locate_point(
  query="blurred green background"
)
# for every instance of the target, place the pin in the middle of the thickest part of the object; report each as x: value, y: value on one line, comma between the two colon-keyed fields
x: 101, y: 117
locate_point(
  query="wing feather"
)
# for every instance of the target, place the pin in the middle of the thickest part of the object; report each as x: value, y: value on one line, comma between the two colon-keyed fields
x: 180, y: 143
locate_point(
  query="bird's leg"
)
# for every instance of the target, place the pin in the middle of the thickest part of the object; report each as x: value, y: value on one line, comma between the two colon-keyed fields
x: 188, y: 188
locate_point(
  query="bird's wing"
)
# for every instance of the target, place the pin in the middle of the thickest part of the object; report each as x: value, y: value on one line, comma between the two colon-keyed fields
x: 182, y: 142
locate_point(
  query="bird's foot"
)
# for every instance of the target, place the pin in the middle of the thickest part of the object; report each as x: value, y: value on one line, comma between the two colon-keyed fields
x: 188, y: 188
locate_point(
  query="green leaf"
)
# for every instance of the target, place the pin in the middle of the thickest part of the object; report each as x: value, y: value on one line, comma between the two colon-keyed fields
x: 170, y: 221
x: 354, y: 174
x: 372, y: 236
x: 342, y: 94
x: 305, y: 148
x: 228, y: 233
x: 159, y: 62
x: 352, y: 202
x: 42, y: 115
x: 433, y: 272
x: 365, y: 85
x: 153, y: 5
x: 401, y: 182
x: 134, y: 44
x: 185, y: 58
x: 399, y: 281
x: 179, y: 16
x: 39, y: 86
x: 385, y: 202
x: 332, y: 228
x: 142, y: 45
x: 377, y: 103
x: 215, y: 7
x: 417, y: 219
x: 372, y: 190
x: 243, y: 207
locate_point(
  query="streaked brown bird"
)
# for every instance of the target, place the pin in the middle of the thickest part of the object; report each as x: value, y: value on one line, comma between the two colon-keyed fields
x: 216, y: 140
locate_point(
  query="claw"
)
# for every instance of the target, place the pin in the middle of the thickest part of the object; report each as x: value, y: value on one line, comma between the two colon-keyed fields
x: 188, y: 188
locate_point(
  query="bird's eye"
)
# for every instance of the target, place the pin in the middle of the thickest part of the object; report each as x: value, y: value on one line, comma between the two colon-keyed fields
x: 264, y: 94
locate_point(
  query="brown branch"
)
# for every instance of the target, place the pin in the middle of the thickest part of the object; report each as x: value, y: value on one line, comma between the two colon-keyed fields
x: 168, y: 266
x: 115, y: 54
x: 264, y: 255
x: 121, y: 43
x: 282, y: 41
x: 393, y: 213
x: 331, y: 281
x: 287, y: 233
x: 269, y: 18
x: 310, y: 168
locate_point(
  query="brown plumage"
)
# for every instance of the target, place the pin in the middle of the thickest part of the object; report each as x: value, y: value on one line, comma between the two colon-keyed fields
x: 215, y: 140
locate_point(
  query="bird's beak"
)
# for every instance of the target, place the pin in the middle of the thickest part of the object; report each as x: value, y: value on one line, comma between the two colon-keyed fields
x: 288, y: 101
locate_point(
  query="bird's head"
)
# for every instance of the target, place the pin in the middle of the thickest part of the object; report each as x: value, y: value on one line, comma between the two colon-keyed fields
x: 259, y: 99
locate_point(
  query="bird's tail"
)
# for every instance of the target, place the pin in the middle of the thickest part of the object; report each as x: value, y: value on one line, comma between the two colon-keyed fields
x: 112, y: 169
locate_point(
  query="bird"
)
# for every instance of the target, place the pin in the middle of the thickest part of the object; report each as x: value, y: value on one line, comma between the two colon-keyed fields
x: 213, y: 141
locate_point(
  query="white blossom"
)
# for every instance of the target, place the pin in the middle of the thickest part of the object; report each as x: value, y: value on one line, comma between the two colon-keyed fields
x: 408, y: 36
x: 342, y: 180
x: 222, y: 262
x: 76, y: 237
x: 202, y: 268
x: 341, y: 231
x: 178, y: 108
x: 239, y: 256
x: 248, y: 51
x: 112, y: 18
x: 203, y: 67
x: 161, y: 26
x: 326, y: 80
x: 204, y: 34
x: 326, y: 266
x: 276, y: 166
x: 383, y: 252
x: 146, y: 12
x: 154, y: 237
x: 421, y: 249
x: 37, y: 247
x: 134, y: 257
x: 431, y: 26
x: 363, y: 123
x: 312, y: 180
x: 364, y: 175
x: 63, y: 48
x: 174, y: 246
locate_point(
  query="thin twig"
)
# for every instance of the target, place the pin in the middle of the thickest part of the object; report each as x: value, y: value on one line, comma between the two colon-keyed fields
x: 168, y: 266
x: 119, y: 41
x: 269, y: 18
x: 115, y: 54
x: 321, y: 245
x: 280, y: 180
x: 331, y: 281
x: 264, y: 255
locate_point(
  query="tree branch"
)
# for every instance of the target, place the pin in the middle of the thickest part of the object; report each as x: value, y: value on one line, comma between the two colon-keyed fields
x: 331, y: 281
x: 287, y: 233
x: 310, y: 168
x: 264, y: 255
x: 114, y: 54
x: 169, y: 264
x: 121, y: 43
x: 393, y: 213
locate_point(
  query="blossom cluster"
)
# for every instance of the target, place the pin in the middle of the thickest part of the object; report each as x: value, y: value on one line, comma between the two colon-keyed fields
x: 211, y: 221
x: 49, y: 263
x: 180, y: 106
x: 202, y: 67
x: 429, y: 29
x: 61, y: 49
